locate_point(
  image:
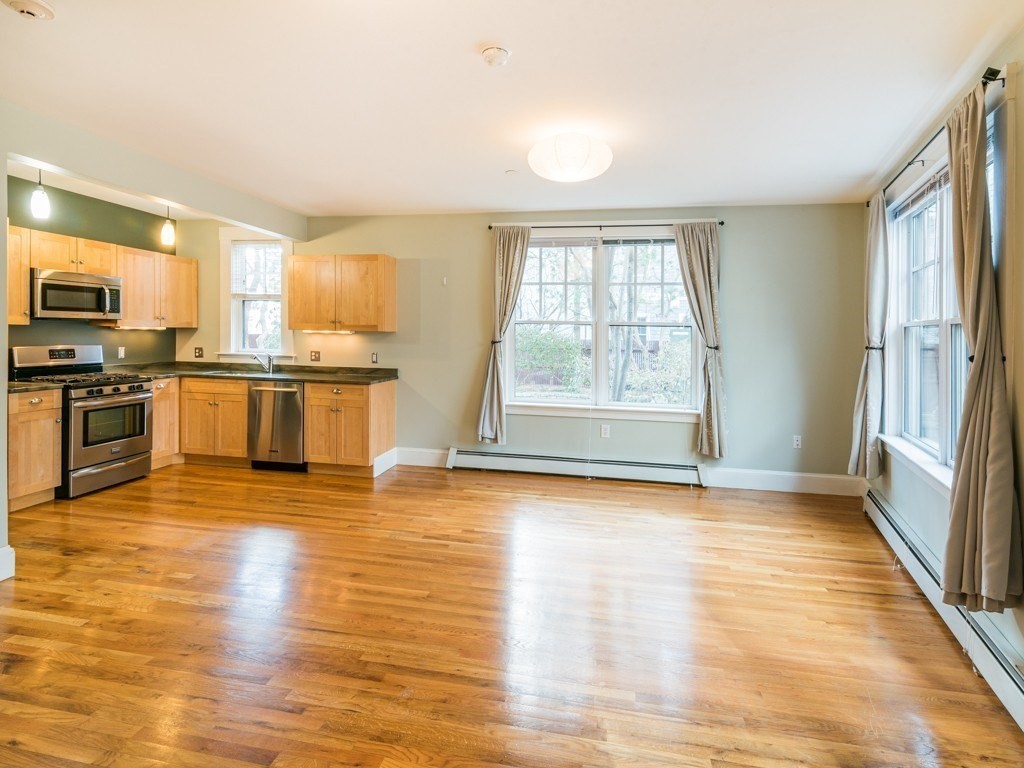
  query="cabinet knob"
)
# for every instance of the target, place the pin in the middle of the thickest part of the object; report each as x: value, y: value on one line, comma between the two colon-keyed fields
x: 35, y: 401
x: 160, y: 386
x: 211, y: 403
x: 26, y: 313
x: 58, y: 421
x: 336, y: 391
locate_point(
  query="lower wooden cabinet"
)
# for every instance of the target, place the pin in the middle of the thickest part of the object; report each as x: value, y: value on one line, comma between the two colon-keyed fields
x: 166, y: 403
x: 349, y: 424
x: 214, y: 417
x: 33, y: 447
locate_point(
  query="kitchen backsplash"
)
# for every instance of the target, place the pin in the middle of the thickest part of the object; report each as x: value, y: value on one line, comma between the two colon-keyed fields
x: 139, y: 346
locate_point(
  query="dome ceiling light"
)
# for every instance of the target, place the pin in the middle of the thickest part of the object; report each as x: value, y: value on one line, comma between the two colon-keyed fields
x: 570, y: 157
x: 494, y: 55
x: 31, y: 9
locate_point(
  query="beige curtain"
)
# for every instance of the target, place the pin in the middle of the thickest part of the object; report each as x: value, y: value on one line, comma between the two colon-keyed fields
x: 983, y: 569
x: 510, y: 245
x: 867, y: 409
x: 698, y: 258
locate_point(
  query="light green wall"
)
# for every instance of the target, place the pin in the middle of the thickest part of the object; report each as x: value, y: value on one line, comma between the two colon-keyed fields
x: 792, y: 282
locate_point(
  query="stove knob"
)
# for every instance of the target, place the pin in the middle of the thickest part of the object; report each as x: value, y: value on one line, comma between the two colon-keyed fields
x: 90, y: 391
x: 117, y: 389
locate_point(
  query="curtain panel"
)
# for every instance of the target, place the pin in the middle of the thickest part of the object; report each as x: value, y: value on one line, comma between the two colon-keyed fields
x: 698, y: 258
x: 983, y: 568
x: 510, y: 246
x: 867, y: 409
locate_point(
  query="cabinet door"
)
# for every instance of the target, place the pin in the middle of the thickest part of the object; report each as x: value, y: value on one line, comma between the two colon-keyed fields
x: 353, y: 434
x: 198, y: 423
x: 33, y: 463
x: 140, y: 290
x: 311, y: 293
x: 18, y: 244
x: 232, y: 414
x: 165, y: 418
x: 180, y: 283
x: 95, y: 258
x: 50, y: 251
x: 366, y: 292
x: 320, y: 429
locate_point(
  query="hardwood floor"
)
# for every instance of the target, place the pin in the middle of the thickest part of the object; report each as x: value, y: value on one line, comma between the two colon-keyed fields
x: 223, y: 617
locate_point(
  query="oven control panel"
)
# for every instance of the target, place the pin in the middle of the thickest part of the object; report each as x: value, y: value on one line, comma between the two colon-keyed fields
x: 111, y: 390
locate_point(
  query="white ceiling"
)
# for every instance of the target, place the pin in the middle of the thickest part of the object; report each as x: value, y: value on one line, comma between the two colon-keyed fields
x: 379, y: 106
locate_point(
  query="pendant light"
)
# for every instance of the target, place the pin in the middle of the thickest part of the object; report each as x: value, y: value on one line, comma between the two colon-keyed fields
x: 40, y: 202
x: 167, y: 233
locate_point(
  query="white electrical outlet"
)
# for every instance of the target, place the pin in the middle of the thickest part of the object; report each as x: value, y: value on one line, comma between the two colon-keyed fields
x: 798, y: 441
x: 120, y: 353
x: 606, y: 430
x: 373, y: 358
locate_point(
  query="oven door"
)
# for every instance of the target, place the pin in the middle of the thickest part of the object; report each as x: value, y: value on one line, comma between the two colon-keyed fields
x: 110, y: 427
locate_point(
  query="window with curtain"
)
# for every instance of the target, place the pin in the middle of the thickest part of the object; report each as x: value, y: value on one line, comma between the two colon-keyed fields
x: 603, y: 322
x: 929, y: 344
x: 256, y: 306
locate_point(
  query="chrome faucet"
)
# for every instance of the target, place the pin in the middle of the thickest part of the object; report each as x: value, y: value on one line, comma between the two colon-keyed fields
x: 266, y: 366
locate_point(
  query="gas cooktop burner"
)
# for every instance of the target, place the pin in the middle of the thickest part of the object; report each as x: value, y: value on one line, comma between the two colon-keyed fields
x: 73, y: 379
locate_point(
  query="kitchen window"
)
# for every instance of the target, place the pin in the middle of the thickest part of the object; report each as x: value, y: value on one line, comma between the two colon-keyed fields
x: 254, y: 274
x: 603, y: 322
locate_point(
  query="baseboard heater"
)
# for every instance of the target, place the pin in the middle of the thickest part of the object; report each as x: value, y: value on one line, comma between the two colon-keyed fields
x: 683, y: 474
x: 999, y: 671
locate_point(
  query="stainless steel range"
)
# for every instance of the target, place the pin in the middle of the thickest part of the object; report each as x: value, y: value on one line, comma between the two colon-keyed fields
x: 107, y: 417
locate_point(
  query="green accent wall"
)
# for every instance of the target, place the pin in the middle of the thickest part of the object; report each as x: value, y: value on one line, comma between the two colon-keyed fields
x: 81, y: 216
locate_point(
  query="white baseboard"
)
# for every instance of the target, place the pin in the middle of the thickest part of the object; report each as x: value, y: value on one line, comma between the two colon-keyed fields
x: 975, y: 644
x: 385, y: 461
x: 422, y: 457
x: 6, y: 563
x: 795, y: 482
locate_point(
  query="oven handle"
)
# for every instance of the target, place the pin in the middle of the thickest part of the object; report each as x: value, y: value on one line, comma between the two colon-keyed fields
x: 106, y: 300
x: 108, y: 401
x: 108, y: 467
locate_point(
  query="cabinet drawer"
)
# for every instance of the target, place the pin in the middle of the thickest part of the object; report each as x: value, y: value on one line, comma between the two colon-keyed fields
x: 338, y: 391
x: 215, y: 386
x: 25, y: 402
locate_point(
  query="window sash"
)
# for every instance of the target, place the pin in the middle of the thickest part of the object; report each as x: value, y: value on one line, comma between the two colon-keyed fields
x: 600, y: 325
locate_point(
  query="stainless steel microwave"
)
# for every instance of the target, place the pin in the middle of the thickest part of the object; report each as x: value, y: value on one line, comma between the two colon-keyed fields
x: 75, y: 295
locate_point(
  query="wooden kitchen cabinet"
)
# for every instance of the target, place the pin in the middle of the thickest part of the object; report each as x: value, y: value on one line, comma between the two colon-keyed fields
x: 159, y: 290
x: 51, y: 251
x: 18, y: 266
x: 349, y: 292
x: 351, y: 425
x: 33, y: 447
x: 166, y: 405
x: 214, y: 417
x: 94, y: 257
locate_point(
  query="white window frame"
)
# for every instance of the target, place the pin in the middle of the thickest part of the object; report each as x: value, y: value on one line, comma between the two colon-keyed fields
x: 230, y: 307
x: 600, y: 325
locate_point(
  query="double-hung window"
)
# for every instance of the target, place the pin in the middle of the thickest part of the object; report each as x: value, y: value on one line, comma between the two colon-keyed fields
x: 930, y: 348
x: 603, y: 321
x: 254, y: 293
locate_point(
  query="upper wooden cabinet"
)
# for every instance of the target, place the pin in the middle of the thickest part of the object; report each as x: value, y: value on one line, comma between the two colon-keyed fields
x: 50, y: 251
x: 351, y: 292
x: 18, y: 275
x: 159, y: 290
x: 94, y: 257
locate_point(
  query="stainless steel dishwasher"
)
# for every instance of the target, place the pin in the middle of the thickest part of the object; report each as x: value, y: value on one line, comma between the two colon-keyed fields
x: 275, y: 422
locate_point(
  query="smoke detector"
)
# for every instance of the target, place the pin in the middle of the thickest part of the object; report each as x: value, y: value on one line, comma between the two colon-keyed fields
x: 31, y: 9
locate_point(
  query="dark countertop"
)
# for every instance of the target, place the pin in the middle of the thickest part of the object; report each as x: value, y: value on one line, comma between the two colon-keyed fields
x: 15, y: 387
x: 302, y: 373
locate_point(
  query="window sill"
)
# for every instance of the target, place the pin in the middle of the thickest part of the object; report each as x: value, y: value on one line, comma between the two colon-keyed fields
x: 604, y: 412
x: 938, y: 476
x: 229, y: 356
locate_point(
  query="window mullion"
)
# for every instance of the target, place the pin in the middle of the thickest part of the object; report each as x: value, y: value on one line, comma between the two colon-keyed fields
x: 599, y: 330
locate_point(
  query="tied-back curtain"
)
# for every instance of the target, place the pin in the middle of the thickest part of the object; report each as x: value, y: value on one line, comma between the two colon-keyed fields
x: 983, y: 568
x: 867, y: 409
x: 698, y: 259
x: 510, y: 246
